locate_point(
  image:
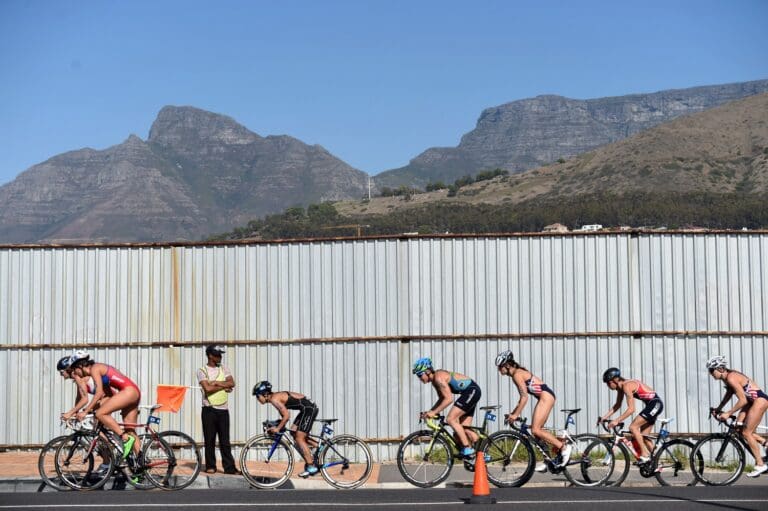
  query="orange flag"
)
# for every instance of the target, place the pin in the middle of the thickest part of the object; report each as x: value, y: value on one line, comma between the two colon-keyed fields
x: 171, y: 397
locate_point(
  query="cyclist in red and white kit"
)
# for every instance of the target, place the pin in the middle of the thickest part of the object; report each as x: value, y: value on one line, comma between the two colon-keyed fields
x: 125, y: 396
x: 643, y: 423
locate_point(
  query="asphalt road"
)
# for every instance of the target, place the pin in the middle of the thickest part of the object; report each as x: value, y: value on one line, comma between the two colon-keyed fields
x: 560, y: 499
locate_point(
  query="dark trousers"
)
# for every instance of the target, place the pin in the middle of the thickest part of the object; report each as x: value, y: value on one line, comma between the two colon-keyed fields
x: 216, y: 422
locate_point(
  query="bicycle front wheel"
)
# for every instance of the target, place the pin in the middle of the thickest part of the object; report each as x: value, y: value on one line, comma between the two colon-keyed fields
x: 509, y: 459
x: 84, y: 462
x: 622, y: 462
x: 673, y: 463
x: 717, y: 460
x: 346, y: 462
x: 265, y: 462
x: 423, y: 459
x: 591, y: 462
x: 46, y: 464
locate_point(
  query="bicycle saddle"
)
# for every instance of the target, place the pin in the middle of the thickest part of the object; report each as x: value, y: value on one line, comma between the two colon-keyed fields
x: 490, y: 407
x: 571, y: 410
x: 327, y: 421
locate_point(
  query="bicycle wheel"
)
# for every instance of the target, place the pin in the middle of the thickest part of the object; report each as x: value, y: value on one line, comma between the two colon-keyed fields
x: 157, y: 463
x: 46, y: 464
x: 81, y: 465
x: 509, y: 459
x: 673, y: 463
x: 717, y: 460
x: 170, y: 460
x: 622, y: 462
x: 266, y: 463
x: 591, y: 462
x: 423, y: 459
x: 346, y: 462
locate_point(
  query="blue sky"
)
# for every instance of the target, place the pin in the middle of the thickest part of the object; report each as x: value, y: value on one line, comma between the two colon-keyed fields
x: 375, y: 83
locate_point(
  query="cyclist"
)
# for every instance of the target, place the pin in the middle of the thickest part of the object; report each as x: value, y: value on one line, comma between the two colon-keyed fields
x: 302, y: 424
x: 84, y: 386
x: 527, y: 384
x: 751, y: 404
x: 447, y: 383
x: 643, y: 423
x: 125, y: 396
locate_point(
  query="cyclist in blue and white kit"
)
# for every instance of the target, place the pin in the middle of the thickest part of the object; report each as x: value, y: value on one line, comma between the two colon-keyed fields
x: 448, y: 383
x: 751, y: 405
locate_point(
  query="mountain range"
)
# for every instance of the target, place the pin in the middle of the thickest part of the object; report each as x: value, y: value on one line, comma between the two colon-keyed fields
x: 533, y: 132
x: 199, y: 173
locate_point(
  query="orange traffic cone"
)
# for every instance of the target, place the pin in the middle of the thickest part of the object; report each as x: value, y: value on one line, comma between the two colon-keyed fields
x: 481, y: 494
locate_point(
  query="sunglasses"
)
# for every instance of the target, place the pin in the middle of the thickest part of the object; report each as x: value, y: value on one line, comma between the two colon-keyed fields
x: 418, y: 375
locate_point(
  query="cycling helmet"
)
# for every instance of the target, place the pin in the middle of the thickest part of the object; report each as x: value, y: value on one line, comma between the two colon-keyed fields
x: 422, y: 365
x: 261, y: 388
x: 63, y: 364
x: 716, y: 362
x: 505, y: 357
x: 610, y: 374
x: 79, y: 356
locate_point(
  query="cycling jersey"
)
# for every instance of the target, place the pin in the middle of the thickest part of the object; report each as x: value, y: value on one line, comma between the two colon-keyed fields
x: 117, y: 380
x: 458, y: 386
x: 753, y: 393
x: 536, y: 387
x: 469, y: 398
x: 642, y: 392
x: 307, y: 412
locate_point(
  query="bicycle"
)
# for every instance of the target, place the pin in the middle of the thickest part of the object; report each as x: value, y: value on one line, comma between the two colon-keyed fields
x: 169, y: 460
x: 722, y: 454
x: 46, y: 461
x: 267, y: 460
x: 425, y: 458
x: 590, y: 463
x: 670, y: 459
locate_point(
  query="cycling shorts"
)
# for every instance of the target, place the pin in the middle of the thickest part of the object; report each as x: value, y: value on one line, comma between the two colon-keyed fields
x: 306, y: 417
x: 652, y: 410
x: 469, y: 398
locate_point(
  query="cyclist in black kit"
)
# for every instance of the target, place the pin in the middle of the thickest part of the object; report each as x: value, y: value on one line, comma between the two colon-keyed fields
x: 302, y: 425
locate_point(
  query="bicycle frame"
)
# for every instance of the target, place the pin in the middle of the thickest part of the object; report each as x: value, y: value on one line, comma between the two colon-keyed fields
x: 441, y: 429
x: 322, y: 440
x: 542, y: 446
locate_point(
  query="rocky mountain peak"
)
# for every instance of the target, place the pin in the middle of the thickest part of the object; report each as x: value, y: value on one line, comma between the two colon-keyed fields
x: 184, y: 125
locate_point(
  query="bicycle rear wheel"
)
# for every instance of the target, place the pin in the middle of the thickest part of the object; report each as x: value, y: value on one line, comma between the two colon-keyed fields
x: 265, y: 463
x: 346, y: 462
x: 717, y: 460
x: 46, y: 464
x: 510, y: 459
x: 82, y: 466
x: 173, y: 463
x: 423, y: 459
x: 673, y: 463
x: 591, y: 462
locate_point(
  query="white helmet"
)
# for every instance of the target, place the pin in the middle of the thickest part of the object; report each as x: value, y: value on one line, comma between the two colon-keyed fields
x: 503, y: 358
x: 79, y: 355
x: 716, y: 362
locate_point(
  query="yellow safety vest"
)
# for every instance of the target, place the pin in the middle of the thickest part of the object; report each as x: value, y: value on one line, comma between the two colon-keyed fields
x: 219, y: 397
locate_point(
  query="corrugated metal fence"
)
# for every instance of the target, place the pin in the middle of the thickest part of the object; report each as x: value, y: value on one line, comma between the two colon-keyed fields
x: 343, y: 320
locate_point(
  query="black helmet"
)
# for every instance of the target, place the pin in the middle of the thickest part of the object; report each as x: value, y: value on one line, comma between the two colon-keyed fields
x: 262, y: 388
x: 63, y: 363
x: 610, y: 374
x: 215, y: 349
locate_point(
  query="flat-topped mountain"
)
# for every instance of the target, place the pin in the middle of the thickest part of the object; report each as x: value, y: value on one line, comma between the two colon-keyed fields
x: 529, y: 133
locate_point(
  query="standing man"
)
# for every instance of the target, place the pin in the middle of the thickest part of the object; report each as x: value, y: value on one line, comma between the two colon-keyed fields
x: 216, y: 382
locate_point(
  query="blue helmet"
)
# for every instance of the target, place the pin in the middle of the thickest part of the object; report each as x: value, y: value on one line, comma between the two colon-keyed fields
x: 63, y: 363
x: 422, y: 365
x: 263, y: 387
